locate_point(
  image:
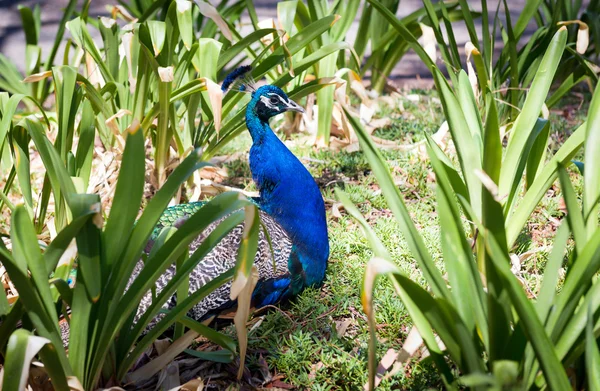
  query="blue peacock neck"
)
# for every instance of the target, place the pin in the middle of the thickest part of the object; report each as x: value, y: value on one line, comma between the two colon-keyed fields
x: 290, y: 195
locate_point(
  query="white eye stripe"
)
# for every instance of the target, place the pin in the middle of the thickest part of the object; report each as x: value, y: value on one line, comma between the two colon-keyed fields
x: 274, y: 95
x: 267, y: 102
x: 287, y: 103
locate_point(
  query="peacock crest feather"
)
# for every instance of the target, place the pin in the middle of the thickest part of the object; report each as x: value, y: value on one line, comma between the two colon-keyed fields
x: 239, y: 79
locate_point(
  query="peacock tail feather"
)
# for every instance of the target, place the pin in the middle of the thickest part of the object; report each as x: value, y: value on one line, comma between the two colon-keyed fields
x: 272, y: 266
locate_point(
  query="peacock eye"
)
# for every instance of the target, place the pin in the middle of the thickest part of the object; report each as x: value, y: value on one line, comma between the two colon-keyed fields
x: 274, y: 100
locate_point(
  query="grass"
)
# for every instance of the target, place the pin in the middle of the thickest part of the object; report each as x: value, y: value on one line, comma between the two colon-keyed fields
x: 319, y: 341
x: 300, y: 341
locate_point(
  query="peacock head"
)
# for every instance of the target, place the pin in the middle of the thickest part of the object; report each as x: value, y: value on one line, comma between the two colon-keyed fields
x: 267, y: 101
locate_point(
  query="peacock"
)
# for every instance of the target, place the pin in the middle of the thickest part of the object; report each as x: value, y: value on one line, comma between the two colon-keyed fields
x: 291, y: 210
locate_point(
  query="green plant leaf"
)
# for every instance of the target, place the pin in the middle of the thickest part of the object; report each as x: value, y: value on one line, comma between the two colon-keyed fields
x: 549, y: 283
x: 118, y: 279
x: 537, y: 155
x: 524, y: 124
x: 56, y: 359
x: 171, y: 317
x: 574, y: 216
x: 529, y: 10
x: 327, y: 67
x: 516, y: 220
x: 394, y: 200
x: 223, y: 340
x: 546, y: 354
x: 462, y: 270
x: 185, y: 22
x: 228, y: 55
x: 296, y: 43
x: 405, y: 33
x: 379, y: 265
x: 82, y: 37
x: 57, y: 247
x: 88, y: 245
x: 127, y: 199
x: 21, y: 158
x: 592, y: 355
x: 85, y: 146
x: 110, y: 37
x: 448, y: 324
x: 21, y: 350
x: 592, y: 161
x: 577, y: 284
x: 222, y: 356
x: 468, y: 150
x: 207, y: 57
x: 157, y: 30
x: 375, y: 268
x: 27, y: 253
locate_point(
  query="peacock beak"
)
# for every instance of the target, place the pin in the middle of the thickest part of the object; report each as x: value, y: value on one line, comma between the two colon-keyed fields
x: 293, y: 106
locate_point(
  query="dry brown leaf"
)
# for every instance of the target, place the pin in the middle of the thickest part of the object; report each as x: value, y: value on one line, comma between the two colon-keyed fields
x: 111, y: 122
x: 375, y: 267
x: 341, y: 327
x: 215, y: 96
x: 192, y: 385
x: 37, y: 77
x: 425, y: 351
x: 278, y: 385
x: 337, y: 144
x: 150, y: 369
x: 166, y: 74
x: 438, y: 137
x: 168, y: 378
x: 377, y: 124
x: 264, y: 369
x: 93, y: 72
x: 267, y: 24
x: 339, y: 118
x: 409, y: 350
x: 125, y: 47
x: 489, y: 184
x: 515, y: 264
x: 386, y: 362
x: 211, y: 12
x: 244, y: 297
x: 211, y: 188
x: 470, y: 48
x: 366, y: 114
x: 74, y: 384
x: 314, y: 368
x: 257, y: 324
x: 429, y: 41
x: 583, y: 38
x: 335, y: 210
x: 213, y: 173
x: 359, y: 89
x: 161, y: 346
x: 119, y: 9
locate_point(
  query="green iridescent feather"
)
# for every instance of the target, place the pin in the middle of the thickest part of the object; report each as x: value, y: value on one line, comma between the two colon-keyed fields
x: 173, y: 214
x: 169, y: 218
